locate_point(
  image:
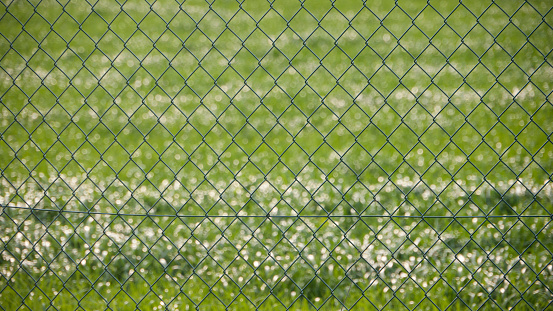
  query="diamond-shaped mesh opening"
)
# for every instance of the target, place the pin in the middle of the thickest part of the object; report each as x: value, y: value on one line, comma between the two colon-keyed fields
x: 276, y: 155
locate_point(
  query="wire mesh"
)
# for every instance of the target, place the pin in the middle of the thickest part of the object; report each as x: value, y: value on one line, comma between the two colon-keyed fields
x: 282, y: 154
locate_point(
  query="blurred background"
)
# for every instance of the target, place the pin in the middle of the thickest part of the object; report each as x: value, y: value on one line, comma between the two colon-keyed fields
x: 284, y: 154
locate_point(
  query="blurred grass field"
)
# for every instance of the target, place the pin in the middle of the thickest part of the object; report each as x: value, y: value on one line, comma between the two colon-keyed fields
x: 274, y: 155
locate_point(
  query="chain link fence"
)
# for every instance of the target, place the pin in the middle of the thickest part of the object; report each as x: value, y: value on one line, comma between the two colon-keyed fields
x: 276, y: 155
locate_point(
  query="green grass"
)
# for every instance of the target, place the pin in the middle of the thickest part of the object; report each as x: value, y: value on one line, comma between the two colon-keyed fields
x: 285, y: 154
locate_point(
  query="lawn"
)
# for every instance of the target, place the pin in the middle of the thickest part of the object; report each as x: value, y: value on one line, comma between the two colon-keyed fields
x: 273, y: 155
